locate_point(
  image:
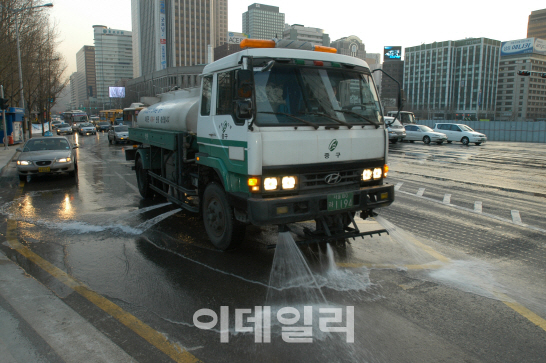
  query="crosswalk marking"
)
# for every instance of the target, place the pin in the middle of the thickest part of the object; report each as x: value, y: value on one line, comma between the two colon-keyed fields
x: 447, y: 199
x: 478, y: 207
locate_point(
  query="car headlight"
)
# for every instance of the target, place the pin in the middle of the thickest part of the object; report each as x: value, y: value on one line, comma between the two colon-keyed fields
x: 23, y: 162
x: 270, y: 183
x: 64, y: 160
x: 377, y: 173
x: 367, y: 174
x: 288, y: 182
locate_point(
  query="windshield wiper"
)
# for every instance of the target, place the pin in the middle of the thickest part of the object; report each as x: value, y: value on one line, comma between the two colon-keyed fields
x: 330, y: 117
x: 292, y: 116
x: 360, y: 116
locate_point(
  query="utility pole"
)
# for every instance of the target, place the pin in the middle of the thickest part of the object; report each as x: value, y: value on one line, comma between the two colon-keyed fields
x: 6, y: 139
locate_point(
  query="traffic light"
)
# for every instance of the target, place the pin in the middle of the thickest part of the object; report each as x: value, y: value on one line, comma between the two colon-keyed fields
x: 524, y: 73
x: 4, y: 103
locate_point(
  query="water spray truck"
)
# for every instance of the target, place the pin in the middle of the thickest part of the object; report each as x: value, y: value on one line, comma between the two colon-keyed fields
x: 278, y: 133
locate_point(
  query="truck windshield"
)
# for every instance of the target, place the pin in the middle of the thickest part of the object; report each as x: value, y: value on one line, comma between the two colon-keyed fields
x: 323, y: 96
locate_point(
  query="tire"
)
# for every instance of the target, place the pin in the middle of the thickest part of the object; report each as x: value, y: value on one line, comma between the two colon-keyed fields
x: 143, y: 180
x: 393, y: 141
x: 426, y: 140
x: 22, y: 178
x: 223, y: 230
x: 465, y: 140
x: 412, y: 141
x: 439, y: 142
x: 73, y: 173
x: 449, y: 142
x: 478, y: 143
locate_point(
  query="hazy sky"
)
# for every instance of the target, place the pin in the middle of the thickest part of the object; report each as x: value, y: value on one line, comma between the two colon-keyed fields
x: 377, y: 23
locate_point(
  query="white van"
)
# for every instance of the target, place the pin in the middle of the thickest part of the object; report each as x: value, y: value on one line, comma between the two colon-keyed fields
x: 460, y: 133
x: 397, y: 132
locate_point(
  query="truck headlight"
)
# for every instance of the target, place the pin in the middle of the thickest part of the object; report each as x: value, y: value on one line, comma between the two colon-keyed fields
x: 288, y: 182
x: 377, y: 172
x: 23, y: 162
x: 367, y: 174
x: 270, y: 183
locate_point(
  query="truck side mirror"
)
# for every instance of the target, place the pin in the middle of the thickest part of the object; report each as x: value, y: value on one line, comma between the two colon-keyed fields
x: 244, y: 108
x: 244, y: 87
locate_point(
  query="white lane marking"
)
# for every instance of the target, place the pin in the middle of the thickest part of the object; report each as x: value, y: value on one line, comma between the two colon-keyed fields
x: 447, y: 199
x: 516, y: 218
x: 483, y: 214
x: 478, y: 207
x: 420, y: 192
x: 129, y: 184
x: 398, y: 186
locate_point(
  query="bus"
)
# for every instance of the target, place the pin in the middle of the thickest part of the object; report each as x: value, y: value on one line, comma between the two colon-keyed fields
x: 74, y: 118
x: 110, y: 115
x: 130, y: 113
x: 405, y: 117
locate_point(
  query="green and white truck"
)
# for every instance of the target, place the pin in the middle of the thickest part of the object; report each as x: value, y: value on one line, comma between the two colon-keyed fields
x: 274, y: 135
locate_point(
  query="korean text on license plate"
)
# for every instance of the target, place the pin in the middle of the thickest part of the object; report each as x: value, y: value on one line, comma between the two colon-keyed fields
x: 340, y: 201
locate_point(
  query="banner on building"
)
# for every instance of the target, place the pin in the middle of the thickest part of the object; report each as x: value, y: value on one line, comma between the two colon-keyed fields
x: 523, y: 46
x: 162, y: 35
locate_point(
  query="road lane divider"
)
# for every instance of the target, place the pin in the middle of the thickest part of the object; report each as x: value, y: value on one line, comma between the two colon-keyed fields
x: 158, y: 340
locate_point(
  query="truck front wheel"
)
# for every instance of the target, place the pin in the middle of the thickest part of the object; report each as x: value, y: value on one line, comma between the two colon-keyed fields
x: 223, y: 230
x: 143, y: 180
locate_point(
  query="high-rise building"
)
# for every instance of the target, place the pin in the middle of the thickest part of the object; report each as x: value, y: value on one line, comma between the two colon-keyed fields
x: 85, y: 63
x: 536, y: 28
x: 175, y: 33
x: 113, y: 57
x: 299, y: 32
x: 522, y: 98
x: 263, y: 22
x: 452, y: 79
x: 77, y: 85
x: 351, y: 45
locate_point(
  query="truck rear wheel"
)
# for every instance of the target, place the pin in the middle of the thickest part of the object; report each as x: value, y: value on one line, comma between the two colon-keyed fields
x: 223, y: 230
x: 143, y: 180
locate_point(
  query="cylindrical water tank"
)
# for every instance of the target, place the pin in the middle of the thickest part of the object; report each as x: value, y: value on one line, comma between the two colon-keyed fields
x: 177, y: 112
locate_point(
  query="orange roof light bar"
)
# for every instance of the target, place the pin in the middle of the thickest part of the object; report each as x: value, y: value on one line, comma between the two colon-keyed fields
x: 321, y: 48
x: 257, y: 43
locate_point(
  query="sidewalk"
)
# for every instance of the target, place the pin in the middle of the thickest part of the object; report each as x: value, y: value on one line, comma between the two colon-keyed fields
x: 35, y: 324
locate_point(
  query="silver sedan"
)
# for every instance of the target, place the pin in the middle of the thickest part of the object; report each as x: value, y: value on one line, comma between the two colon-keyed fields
x: 47, y: 155
x: 423, y: 133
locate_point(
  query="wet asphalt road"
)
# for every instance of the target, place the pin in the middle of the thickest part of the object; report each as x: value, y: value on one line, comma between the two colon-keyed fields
x: 455, y: 281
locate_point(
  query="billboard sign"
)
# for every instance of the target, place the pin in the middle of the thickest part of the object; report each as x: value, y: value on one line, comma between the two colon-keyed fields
x: 392, y: 53
x: 523, y: 46
x: 235, y: 38
x: 116, y: 92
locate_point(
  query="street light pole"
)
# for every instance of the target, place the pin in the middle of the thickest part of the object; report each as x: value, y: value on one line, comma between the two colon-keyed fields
x: 22, y: 102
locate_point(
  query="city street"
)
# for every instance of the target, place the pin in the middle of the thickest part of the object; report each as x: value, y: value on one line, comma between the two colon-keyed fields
x: 459, y: 278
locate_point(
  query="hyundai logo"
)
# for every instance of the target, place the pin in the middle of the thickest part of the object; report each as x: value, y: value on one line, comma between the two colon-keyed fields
x: 332, y: 178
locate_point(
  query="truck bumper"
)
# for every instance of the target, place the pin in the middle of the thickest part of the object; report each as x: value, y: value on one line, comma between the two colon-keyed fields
x: 310, y: 206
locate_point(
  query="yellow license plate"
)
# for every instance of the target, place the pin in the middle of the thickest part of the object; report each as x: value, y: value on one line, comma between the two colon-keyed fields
x: 45, y: 169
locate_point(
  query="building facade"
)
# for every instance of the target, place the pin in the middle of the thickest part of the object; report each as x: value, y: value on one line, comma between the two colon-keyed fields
x: 536, y: 28
x: 452, y: 79
x: 232, y: 45
x: 299, y: 32
x: 174, y: 33
x: 263, y: 22
x: 85, y: 63
x: 522, y: 98
x: 113, y: 58
x: 77, y: 90
x: 351, y: 45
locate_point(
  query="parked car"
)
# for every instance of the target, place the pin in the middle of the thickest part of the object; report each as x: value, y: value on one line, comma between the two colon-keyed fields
x: 118, y: 134
x: 64, y: 129
x: 423, y: 133
x: 460, y: 132
x: 103, y: 126
x: 395, y: 129
x: 55, y: 123
x: 47, y: 155
x: 87, y: 128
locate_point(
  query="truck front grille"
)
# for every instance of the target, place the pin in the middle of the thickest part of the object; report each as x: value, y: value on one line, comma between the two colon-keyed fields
x: 318, y: 180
